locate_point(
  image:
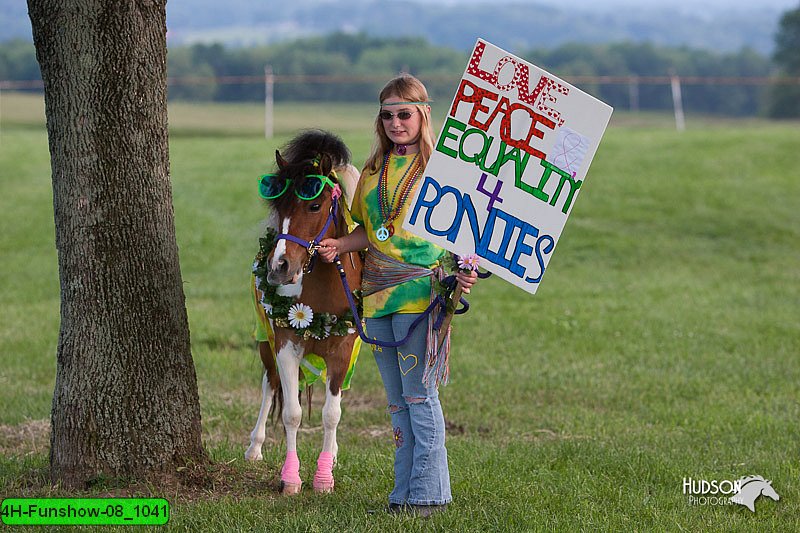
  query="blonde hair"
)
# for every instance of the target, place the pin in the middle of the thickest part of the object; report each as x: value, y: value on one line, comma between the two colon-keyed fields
x: 409, y: 88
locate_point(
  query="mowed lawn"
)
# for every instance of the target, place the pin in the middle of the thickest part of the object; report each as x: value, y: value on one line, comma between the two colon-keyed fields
x: 663, y: 343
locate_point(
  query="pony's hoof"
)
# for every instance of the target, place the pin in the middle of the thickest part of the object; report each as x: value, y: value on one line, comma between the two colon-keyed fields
x: 290, y: 489
x: 323, y: 487
x: 251, y: 455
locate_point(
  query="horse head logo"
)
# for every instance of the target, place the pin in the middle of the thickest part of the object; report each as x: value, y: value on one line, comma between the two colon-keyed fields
x: 750, y: 488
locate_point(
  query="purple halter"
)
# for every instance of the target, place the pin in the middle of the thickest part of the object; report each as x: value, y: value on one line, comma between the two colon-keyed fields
x: 313, y: 245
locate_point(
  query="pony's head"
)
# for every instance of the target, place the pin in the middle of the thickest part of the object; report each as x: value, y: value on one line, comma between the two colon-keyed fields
x: 301, y: 196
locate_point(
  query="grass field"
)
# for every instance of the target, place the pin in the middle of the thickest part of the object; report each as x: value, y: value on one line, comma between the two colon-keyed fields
x: 662, y: 345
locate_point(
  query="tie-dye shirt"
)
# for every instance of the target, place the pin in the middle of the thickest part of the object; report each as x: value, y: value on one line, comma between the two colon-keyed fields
x: 411, y: 296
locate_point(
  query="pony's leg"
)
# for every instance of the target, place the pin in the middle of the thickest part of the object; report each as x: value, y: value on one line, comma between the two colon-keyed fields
x: 259, y: 432
x: 269, y: 384
x: 331, y: 413
x: 288, y: 367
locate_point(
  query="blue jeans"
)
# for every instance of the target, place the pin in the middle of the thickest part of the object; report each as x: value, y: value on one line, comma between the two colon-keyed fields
x: 421, y: 476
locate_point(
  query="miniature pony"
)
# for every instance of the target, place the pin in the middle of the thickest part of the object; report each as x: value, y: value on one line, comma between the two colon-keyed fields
x: 300, y: 301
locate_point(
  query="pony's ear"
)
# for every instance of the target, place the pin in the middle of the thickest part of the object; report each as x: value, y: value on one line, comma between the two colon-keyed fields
x: 325, y: 164
x: 282, y: 163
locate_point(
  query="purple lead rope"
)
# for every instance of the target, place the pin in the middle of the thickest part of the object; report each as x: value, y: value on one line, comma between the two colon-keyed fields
x: 439, y: 301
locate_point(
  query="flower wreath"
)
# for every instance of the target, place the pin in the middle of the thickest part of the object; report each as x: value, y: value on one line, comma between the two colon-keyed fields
x: 287, y: 312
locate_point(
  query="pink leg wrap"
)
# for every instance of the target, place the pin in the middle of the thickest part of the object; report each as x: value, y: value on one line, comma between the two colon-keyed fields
x: 290, y: 473
x: 323, y: 478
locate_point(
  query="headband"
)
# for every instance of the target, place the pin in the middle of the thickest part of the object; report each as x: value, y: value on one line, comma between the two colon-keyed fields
x: 407, y: 103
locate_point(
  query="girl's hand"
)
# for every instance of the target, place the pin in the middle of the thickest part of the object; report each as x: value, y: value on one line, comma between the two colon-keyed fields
x: 328, y: 250
x: 466, y: 280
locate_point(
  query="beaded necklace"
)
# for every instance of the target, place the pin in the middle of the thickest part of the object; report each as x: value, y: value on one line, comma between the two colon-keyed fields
x: 389, y: 209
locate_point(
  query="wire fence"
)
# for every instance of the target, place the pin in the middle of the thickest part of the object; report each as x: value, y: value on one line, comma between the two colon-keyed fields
x: 703, y: 94
x: 302, y: 79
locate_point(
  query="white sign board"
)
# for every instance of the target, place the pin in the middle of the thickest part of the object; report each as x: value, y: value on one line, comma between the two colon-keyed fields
x: 508, y: 165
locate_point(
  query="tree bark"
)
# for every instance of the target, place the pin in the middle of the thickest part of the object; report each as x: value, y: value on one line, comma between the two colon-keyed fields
x: 125, y: 402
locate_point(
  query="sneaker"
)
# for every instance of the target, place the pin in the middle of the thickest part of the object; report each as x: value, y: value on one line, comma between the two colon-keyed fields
x: 426, y: 511
x: 396, y: 508
x: 392, y: 508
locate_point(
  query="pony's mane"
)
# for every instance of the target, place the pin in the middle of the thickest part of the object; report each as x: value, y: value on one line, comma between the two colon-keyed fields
x: 311, y: 143
x: 301, y: 152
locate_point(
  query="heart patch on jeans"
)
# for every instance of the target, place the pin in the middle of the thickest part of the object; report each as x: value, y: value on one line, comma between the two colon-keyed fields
x: 407, y: 362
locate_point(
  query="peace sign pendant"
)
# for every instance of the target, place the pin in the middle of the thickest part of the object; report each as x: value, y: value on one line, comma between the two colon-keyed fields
x: 383, y: 232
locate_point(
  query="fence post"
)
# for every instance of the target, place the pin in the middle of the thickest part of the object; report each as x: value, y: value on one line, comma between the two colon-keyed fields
x: 677, y: 102
x: 633, y: 92
x: 269, y: 82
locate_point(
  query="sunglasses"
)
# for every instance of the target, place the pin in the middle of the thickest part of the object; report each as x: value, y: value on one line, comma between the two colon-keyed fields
x: 402, y: 115
x: 271, y: 186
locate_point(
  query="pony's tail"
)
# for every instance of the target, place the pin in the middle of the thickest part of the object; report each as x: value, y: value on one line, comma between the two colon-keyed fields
x: 309, y: 395
x: 277, y: 404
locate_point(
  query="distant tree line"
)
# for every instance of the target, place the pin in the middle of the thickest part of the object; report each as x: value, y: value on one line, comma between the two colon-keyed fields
x: 784, y: 98
x: 18, y: 61
x: 353, y: 67
x: 648, y: 61
x: 347, y: 67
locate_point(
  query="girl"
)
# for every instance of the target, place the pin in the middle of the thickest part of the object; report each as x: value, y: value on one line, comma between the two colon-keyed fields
x: 397, y: 288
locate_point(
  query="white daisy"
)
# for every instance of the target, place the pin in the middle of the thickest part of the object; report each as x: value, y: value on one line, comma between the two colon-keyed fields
x: 300, y: 315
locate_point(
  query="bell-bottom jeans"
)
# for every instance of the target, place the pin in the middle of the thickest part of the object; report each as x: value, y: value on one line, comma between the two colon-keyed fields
x: 421, y: 476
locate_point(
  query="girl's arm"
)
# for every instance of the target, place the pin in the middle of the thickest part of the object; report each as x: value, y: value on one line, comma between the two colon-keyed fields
x: 357, y: 240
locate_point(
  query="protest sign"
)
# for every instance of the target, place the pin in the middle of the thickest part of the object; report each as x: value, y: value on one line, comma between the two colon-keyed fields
x: 508, y: 165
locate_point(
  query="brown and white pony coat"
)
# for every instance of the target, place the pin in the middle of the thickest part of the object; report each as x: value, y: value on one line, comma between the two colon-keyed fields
x: 313, y: 152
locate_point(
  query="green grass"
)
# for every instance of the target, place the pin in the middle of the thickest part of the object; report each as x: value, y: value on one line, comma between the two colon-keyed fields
x: 662, y: 344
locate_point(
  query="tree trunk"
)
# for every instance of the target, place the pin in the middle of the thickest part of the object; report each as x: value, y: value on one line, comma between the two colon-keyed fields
x: 125, y: 402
